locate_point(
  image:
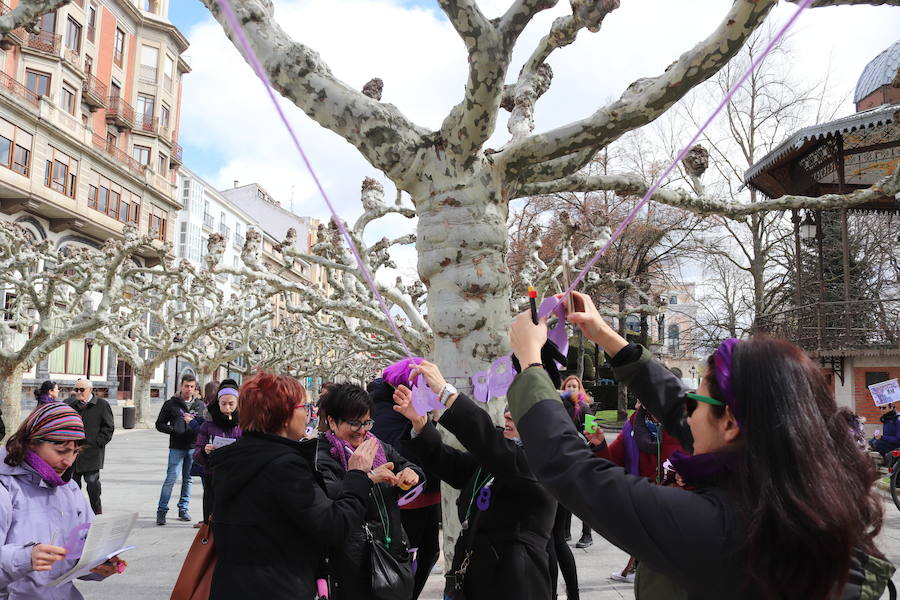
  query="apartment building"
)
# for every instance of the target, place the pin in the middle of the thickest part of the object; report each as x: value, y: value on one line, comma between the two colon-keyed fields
x: 89, y: 114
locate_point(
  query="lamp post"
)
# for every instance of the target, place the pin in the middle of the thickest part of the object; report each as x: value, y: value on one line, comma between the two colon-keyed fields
x: 88, y: 345
x: 694, y: 376
x: 229, y: 347
x: 177, y: 340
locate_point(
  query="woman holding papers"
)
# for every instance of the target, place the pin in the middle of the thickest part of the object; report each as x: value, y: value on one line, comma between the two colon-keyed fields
x: 40, y: 506
x: 220, y: 429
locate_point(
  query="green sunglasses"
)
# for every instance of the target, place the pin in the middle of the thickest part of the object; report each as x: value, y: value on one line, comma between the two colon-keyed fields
x: 706, y: 399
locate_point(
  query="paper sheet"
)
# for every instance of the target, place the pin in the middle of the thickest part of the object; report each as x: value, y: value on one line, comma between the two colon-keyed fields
x: 219, y: 441
x: 105, y: 539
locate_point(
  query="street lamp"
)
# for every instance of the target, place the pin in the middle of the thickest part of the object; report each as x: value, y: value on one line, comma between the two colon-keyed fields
x: 693, y: 375
x: 177, y: 340
x: 229, y: 347
x: 808, y: 228
x: 88, y: 345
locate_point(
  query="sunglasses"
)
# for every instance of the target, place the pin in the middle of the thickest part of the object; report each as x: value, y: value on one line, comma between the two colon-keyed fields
x: 691, y: 400
x: 357, y: 425
x: 80, y: 389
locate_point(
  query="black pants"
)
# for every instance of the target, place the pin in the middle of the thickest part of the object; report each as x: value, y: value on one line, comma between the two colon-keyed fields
x: 207, y: 496
x: 561, y: 554
x: 422, y: 530
x: 92, y: 479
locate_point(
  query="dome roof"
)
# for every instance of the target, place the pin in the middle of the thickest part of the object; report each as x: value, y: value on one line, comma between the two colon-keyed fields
x: 879, y: 72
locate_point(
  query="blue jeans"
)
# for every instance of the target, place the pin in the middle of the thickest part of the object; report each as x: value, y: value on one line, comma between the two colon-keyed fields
x: 177, y: 457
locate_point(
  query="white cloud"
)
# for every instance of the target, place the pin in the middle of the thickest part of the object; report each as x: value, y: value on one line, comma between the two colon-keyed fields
x: 422, y: 63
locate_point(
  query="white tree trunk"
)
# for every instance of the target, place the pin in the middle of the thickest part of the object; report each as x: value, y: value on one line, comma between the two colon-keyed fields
x: 462, y: 243
x: 143, y: 419
x: 11, y: 395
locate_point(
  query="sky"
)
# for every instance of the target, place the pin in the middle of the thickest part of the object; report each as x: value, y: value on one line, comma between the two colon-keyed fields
x: 230, y: 131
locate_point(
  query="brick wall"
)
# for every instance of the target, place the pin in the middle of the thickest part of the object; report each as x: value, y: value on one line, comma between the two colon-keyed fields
x: 865, y: 406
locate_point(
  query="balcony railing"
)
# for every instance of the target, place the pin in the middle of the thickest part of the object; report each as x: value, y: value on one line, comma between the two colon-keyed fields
x: 117, y: 154
x: 94, y: 92
x: 13, y: 87
x: 238, y: 240
x: 73, y: 58
x: 208, y: 221
x: 145, y: 123
x: 177, y: 154
x: 45, y: 42
x: 838, y: 326
x: 148, y: 74
x: 120, y: 112
x: 225, y: 230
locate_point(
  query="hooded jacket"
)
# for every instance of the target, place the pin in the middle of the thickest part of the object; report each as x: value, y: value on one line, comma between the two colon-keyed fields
x: 272, y: 519
x: 33, y: 511
x: 890, y: 427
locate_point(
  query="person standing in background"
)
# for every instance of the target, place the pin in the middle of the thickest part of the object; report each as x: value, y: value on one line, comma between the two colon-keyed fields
x: 98, y: 431
x: 174, y: 419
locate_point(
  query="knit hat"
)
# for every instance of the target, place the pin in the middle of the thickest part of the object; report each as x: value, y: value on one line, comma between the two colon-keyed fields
x: 54, y: 422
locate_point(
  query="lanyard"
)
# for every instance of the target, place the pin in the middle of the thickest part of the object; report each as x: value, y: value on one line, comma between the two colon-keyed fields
x: 475, y: 488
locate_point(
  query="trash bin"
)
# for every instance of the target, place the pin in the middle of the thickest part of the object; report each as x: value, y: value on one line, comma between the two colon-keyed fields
x: 128, y: 417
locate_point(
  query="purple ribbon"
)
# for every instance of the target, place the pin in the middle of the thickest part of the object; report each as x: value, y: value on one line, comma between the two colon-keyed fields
x: 423, y: 399
x: 411, y: 495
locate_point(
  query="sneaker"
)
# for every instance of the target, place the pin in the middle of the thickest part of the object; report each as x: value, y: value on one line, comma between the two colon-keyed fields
x: 585, y: 541
x: 183, y: 515
x: 617, y: 576
x: 160, y: 517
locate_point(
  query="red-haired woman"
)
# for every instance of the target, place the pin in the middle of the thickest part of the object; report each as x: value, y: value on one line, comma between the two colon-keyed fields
x: 780, y: 501
x: 271, y: 518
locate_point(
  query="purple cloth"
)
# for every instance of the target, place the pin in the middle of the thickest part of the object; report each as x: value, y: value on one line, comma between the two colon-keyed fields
x: 342, y: 450
x: 423, y: 399
x: 45, y: 399
x: 557, y: 335
x: 632, y: 459
x: 42, y: 513
x: 208, y: 430
x: 41, y: 467
x: 701, y: 469
x: 722, y: 360
x: 494, y: 382
x: 398, y: 373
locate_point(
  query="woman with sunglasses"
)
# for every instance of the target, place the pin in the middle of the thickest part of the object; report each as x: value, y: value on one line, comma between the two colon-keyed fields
x: 779, y: 500
x: 349, y: 419
x: 40, y: 506
x: 889, y: 437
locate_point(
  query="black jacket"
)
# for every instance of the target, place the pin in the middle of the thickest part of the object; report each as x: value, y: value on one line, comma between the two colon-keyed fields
x: 350, y: 564
x: 688, y: 541
x: 272, y: 519
x: 98, y: 431
x: 171, y: 421
x: 510, y: 549
x: 2, y: 428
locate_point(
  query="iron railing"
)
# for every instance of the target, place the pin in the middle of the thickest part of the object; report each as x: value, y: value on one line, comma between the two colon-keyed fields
x: 45, y: 42
x: 833, y: 326
x: 20, y: 91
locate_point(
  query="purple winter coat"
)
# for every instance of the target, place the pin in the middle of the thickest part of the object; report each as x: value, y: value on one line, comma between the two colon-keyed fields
x: 205, y: 435
x: 32, y: 511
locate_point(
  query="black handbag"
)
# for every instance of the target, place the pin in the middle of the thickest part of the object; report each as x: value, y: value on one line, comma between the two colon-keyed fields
x: 392, y: 576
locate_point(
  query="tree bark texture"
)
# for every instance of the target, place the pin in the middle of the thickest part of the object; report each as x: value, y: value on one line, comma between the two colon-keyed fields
x: 11, y: 395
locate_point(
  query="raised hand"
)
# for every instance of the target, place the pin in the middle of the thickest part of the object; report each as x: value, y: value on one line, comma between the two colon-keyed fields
x: 384, y: 474
x: 403, y: 405
x: 361, y: 459
x: 526, y: 338
x: 407, y: 478
x: 432, y: 375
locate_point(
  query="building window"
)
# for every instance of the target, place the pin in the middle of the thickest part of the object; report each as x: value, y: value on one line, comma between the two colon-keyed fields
x: 115, y: 201
x: 88, y: 64
x: 164, y: 116
x: 9, y: 302
x: 48, y: 22
x: 673, y: 299
x: 146, y: 105
x: 674, y: 339
x: 149, y: 64
x: 73, y: 35
x: 61, y: 173
x: 15, y: 147
x: 873, y: 377
x: 92, y: 23
x: 142, y: 155
x: 163, y: 163
x: 37, y: 82
x: 157, y: 225
x: 115, y: 90
x: 119, y: 47
x: 168, y: 72
x: 72, y: 358
x: 67, y: 99
x: 112, y: 141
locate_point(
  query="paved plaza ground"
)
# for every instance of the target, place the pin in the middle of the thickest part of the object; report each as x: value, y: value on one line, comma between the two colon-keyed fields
x: 135, y: 468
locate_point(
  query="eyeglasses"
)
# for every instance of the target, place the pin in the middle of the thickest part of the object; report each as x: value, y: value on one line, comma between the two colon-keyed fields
x: 357, y: 425
x: 690, y: 402
x: 80, y: 389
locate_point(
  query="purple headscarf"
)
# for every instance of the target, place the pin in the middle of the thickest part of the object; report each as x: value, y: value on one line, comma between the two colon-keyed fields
x: 398, y: 373
x: 722, y: 360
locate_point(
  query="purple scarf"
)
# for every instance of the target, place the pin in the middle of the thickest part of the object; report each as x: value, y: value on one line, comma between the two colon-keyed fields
x: 339, y: 450
x: 44, y: 399
x: 46, y: 472
x: 702, y: 469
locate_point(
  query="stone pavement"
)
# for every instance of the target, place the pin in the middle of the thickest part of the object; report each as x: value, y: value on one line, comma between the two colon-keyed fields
x: 135, y: 469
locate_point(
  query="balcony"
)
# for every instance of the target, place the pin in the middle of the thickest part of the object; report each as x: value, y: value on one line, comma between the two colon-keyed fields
x: 830, y: 328
x: 208, y: 221
x: 238, y: 240
x: 94, y: 93
x: 177, y: 157
x: 120, y: 114
x: 145, y: 123
x: 118, y: 155
x: 44, y: 41
x: 13, y: 88
x: 225, y: 230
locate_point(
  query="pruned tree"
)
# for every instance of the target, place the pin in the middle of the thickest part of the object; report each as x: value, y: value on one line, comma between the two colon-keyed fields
x: 52, y: 296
